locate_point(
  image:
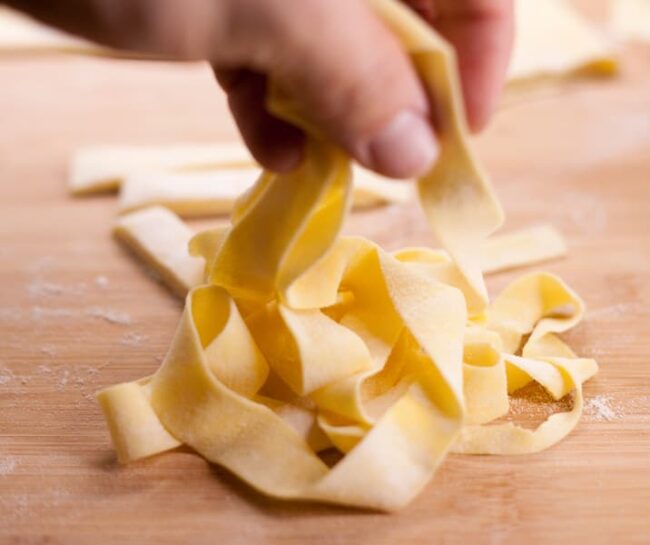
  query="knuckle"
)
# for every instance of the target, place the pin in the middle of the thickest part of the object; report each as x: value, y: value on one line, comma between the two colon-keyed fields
x: 167, y: 27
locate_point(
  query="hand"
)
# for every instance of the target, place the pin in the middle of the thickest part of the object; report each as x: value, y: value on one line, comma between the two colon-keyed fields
x: 335, y: 58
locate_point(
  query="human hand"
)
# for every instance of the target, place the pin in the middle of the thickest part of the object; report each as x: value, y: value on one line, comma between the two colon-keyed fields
x: 334, y: 57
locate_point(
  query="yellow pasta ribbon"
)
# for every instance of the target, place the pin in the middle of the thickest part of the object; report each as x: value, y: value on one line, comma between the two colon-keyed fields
x: 301, y: 340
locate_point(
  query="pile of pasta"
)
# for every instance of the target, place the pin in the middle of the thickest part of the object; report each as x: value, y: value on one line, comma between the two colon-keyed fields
x: 297, y: 340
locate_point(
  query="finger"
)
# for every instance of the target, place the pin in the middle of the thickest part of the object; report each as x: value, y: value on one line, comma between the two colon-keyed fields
x: 335, y: 57
x: 275, y: 144
x: 348, y: 74
x: 424, y: 8
x: 481, y: 31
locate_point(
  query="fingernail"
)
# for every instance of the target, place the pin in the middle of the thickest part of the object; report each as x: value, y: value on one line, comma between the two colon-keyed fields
x: 406, y: 147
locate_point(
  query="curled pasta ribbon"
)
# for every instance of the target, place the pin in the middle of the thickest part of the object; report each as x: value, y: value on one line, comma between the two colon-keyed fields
x: 300, y: 340
x: 393, y: 374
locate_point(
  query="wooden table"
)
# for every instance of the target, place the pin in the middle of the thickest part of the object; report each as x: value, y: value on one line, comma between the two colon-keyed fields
x: 77, y: 314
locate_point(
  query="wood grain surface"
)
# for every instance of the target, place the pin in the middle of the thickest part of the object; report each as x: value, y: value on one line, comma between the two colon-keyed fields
x: 77, y: 314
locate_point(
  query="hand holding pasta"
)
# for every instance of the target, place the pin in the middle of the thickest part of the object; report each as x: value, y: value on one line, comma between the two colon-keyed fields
x: 334, y: 57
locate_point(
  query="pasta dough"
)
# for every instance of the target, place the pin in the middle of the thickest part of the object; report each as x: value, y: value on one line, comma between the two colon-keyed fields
x: 552, y: 40
x: 161, y: 239
x: 195, y: 179
x: 299, y: 339
x: 631, y: 19
x: 214, y: 192
x: 102, y: 168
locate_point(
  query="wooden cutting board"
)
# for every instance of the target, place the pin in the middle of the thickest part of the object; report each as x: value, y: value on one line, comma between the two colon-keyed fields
x: 77, y: 313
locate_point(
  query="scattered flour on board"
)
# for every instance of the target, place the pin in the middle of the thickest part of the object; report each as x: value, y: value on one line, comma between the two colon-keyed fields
x: 6, y: 376
x: 7, y: 465
x: 582, y: 211
x: 101, y: 282
x: 41, y: 288
x: 10, y: 314
x: 110, y: 315
x: 42, y: 264
x: 41, y: 313
x: 619, y: 310
x: 601, y: 408
x: 48, y: 350
x: 63, y: 379
x: 133, y: 339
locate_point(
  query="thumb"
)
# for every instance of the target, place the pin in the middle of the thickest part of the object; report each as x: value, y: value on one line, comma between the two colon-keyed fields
x: 347, y: 72
x: 335, y: 58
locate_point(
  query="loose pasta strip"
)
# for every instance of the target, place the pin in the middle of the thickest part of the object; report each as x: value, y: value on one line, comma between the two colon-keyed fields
x: 160, y: 239
x: 520, y: 248
x: 630, y: 19
x: 554, y: 40
x: 103, y: 168
x: 213, y: 192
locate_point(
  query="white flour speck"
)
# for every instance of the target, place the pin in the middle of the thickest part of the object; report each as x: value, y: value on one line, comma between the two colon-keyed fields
x: 6, y: 376
x: 42, y: 264
x: 63, y: 381
x: 133, y: 339
x: 9, y: 314
x: 48, y: 350
x: 42, y: 288
x: 600, y: 408
x: 42, y: 313
x: 110, y: 315
x: 7, y: 465
x: 101, y: 282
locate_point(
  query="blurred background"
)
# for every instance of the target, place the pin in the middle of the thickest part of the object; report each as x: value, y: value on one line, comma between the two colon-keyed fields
x: 569, y: 145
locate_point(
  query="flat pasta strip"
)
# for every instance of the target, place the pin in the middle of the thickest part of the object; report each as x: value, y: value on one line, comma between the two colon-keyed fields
x: 456, y: 195
x: 299, y: 339
x: 554, y: 40
x: 102, y: 168
x: 630, y: 19
x: 523, y: 247
x: 188, y: 194
x: 214, y: 192
x: 160, y: 239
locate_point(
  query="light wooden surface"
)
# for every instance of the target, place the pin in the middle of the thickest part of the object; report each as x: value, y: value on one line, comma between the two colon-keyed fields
x: 578, y: 157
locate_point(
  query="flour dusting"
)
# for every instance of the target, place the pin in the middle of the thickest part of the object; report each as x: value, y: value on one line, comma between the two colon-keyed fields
x: 63, y: 380
x: 133, y: 339
x: 40, y: 288
x: 42, y: 313
x: 601, y: 408
x: 7, y: 465
x: 6, y: 376
x: 48, y: 350
x: 110, y: 315
x: 10, y: 314
x: 101, y: 282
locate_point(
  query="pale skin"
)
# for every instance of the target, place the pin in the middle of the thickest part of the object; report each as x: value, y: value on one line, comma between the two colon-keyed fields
x: 334, y: 57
